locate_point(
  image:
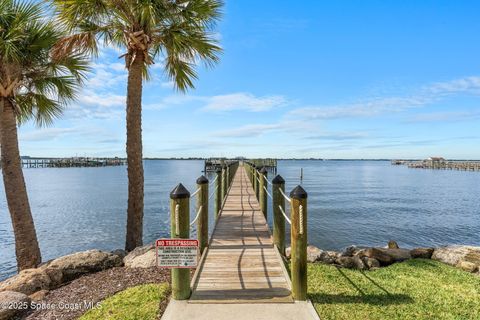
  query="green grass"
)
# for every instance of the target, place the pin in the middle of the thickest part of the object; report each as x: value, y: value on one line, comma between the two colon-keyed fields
x: 137, y: 303
x: 415, y: 289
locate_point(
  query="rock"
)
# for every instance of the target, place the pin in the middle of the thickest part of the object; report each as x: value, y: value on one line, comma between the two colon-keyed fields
x: 20, y: 301
x: 346, y: 262
x: 388, y: 256
x: 393, y: 245
x: 358, y: 263
x: 349, y: 251
x: 119, y: 252
x: 423, y: 253
x: 80, y: 263
x: 452, y: 255
x: 27, y: 282
x: 328, y: 257
x: 146, y: 260
x: 467, y: 266
x: 371, y: 263
x: 39, y: 295
x: 313, y: 253
x: 138, y: 251
x: 288, y: 252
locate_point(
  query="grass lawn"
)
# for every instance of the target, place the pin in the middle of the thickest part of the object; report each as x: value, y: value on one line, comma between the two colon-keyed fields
x: 137, y: 303
x: 415, y: 289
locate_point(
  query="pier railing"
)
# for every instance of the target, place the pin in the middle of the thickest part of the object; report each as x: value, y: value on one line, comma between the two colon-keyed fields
x: 297, y: 220
x: 180, y: 224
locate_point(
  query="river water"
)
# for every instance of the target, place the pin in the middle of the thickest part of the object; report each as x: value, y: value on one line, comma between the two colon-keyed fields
x: 349, y: 202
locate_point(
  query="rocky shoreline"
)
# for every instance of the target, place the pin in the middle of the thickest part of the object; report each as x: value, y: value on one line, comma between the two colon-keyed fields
x: 32, y: 286
x: 466, y: 258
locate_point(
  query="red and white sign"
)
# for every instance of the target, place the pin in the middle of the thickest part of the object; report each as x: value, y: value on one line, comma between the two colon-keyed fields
x: 177, y: 253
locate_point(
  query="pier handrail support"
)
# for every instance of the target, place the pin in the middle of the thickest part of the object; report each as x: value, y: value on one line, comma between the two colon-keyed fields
x: 218, y: 194
x: 263, y: 192
x: 278, y: 204
x: 299, y: 241
x: 202, y: 206
x: 224, y: 182
x: 180, y: 228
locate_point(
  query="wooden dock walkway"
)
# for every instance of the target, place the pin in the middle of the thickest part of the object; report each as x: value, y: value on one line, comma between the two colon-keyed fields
x: 241, y: 263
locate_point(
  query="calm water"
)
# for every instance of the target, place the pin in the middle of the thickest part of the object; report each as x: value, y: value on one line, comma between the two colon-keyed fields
x: 350, y: 202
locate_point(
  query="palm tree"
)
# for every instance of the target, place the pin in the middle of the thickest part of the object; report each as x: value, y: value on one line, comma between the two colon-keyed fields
x: 178, y: 31
x: 34, y: 84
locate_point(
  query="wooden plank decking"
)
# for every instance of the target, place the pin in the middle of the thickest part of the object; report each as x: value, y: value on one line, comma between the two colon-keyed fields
x: 241, y: 263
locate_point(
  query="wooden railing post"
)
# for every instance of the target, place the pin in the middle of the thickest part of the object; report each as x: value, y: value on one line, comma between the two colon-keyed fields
x: 218, y: 194
x: 228, y: 176
x: 263, y: 193
x: 202, y: 221
x: 299, y: 243
x: 257, y: 184
x: 180, y: 228
x: 278, y: 219
x: 224, y: 182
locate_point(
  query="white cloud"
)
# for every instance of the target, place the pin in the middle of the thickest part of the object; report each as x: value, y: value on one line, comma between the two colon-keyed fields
x: 382, y: 105
x: 243, y: 101
x: 248, y: 131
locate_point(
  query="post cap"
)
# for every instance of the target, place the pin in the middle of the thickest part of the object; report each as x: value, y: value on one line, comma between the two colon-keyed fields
x: 202, y: 180
x: 278, y: 179
x: 263, y: 170
x: 180, y: 192
x: 298, y: 193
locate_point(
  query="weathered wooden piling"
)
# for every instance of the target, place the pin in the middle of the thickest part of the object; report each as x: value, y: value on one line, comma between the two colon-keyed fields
x: 224, y: 182
x: 263, y: 192
x: 218, y: 193
x: 180, y: 228
x: 202, y: 207
x: 278, y: 183
x: 299, y: 242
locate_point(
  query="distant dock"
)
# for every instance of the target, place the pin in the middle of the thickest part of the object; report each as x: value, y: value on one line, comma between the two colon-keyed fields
x: 439, y: 163
x: 213, y: 164
x: 74, y: 162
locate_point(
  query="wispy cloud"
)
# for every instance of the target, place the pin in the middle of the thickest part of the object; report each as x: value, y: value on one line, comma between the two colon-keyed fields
x: 251, y: 130
x: 243, y: 101
x: 447, y: 116
x: 382, y: 105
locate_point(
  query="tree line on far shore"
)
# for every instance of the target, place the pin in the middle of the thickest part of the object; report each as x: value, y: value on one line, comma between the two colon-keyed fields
x: 44, y: 61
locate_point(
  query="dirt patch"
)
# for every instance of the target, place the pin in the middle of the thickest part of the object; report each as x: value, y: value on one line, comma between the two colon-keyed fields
x: 75, y: 298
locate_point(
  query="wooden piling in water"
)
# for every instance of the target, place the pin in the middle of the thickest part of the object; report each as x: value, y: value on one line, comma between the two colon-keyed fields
x: 180, y: 228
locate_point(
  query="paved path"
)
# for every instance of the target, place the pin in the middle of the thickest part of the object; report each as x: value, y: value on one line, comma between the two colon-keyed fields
x: 242, y: 276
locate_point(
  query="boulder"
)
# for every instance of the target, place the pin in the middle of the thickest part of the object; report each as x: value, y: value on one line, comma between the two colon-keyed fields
x: 138, y: 251
x: 39, y: 295
x: 70, y: 267
x: 467, y: 266
x: 349, y: 251
x: 452, y: 255
x: 313, y: 254
x: 328, y: 257
x: 27, y: 282
x: 358, y: 263
x: 423, y: 253
x: 371, y: 263
x: 393, y: 245
x: 18, y: 301
x: 119, y: 252
x: 387, y: 256
x: 346, y: 262
x: 146, y: 260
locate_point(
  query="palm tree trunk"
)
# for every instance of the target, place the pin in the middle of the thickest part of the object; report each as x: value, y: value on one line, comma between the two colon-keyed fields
x: 134, y: 154
x: 26, y: 243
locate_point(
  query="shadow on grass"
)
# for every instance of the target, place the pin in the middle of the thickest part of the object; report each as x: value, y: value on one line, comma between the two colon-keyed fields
x: 365, y: 298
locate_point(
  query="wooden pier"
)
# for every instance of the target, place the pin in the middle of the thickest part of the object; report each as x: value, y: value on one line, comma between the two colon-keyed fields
x: 214, y: 164
x: 75, y: 162
x: 241, y: 262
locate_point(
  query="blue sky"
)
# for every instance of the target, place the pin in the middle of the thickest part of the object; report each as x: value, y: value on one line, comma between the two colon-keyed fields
x: 336, y: 79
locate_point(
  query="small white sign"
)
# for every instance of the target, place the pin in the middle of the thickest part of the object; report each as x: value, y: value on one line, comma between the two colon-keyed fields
x: 177, y: 253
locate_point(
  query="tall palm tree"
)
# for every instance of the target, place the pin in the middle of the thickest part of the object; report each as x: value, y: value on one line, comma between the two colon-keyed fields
x: 34, y: 84
x: 179, y: 31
